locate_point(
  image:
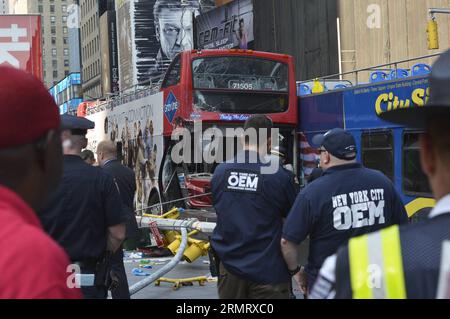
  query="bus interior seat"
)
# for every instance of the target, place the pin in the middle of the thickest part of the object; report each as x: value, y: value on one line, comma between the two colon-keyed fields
x: 340, y: 86
x: 204, y: 81
x: 268, y: 84
x: 378, y: 76
x: 420, y: 69
x: 398, y: 74
x: 304, y: 89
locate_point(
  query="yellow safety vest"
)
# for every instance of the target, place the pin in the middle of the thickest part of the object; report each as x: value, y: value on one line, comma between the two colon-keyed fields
x: 376, y: 266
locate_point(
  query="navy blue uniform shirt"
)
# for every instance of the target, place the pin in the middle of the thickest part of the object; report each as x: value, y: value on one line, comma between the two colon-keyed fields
x: 250, y: 207
x: 347, y: 201
x: 126, y: 181
x: 78, y: 214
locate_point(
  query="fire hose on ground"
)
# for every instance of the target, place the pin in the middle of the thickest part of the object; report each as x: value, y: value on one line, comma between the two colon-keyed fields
x: 161, y: 272
x: 170, y: 225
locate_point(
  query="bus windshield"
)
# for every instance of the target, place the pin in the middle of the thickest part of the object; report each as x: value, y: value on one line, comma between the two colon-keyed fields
x: 240, y: 85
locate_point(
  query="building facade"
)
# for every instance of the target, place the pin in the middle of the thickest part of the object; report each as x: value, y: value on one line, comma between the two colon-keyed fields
x: 67, y: 93
x: 18, y: 6
x: 90, y: 49
x: 55, y: 33
x: 4, y: 6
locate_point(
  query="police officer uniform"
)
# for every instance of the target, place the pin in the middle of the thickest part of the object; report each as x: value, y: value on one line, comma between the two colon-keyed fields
x: 397, y: 262
x: 347, y: 201
x: 79, y: 213
x: 250, y: 207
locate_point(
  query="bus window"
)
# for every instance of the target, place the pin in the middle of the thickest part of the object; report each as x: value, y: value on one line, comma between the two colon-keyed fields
x: 378, y: 152
x: 173, y: 76
x: 414, y: 179
x: 232, y: 84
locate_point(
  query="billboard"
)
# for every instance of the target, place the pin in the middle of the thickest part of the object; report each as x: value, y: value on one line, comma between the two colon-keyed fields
x: 108, y: 47
x: 125, y: 43
x: 20, y: 43
x: 151, y: 33
x: 226, y: 27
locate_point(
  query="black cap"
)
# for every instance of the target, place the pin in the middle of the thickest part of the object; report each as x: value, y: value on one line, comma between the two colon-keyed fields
x: 337, y: 142
x: 438, y: 104
x: 77, y: 125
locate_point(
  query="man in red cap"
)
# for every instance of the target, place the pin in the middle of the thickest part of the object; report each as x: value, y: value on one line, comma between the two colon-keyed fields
x: 32, y: 265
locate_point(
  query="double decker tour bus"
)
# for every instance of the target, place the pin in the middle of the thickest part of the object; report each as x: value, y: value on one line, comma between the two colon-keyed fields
x: 219, y: 89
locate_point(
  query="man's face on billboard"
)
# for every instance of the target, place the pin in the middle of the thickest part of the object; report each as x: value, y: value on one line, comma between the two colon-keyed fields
x: 175, y: 31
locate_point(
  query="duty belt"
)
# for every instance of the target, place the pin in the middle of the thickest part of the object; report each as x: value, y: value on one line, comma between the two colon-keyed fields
x: 87, y: 276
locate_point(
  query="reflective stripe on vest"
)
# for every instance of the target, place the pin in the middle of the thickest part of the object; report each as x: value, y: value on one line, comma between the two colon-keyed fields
x: 376, y: 266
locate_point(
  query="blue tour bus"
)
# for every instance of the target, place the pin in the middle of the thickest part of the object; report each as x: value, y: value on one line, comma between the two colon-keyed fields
x: 391, y: 149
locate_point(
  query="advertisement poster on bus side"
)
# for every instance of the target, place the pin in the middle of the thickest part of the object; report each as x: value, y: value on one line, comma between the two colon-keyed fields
x: 227, y: 27
x: 363, y: 104
x: 137, y: 128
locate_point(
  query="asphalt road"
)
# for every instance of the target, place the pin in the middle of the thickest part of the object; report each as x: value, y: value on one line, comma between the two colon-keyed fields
x: 166, y: 291
x: 183, y: 270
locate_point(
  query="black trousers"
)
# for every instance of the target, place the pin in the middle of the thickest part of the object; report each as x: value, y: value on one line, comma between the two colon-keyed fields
x: 95, y: 292
x: 122, y: 291
x: 233, y: 287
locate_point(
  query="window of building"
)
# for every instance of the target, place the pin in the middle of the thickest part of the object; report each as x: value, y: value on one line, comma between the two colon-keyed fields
x: 66, y: 63
x: 54, y: 52
x: 66, y: 52
x: 378, y: 152
x: 64, y: 30
x: 52, y: 8
x: 53, y: 30
x: 52, y: 19
x: 415, y: 182
x: 53, y: 41
x: 55, y: 64
x: 64, y: 19
x: 40, y: 8
x: 55, y: 74
x: 64, y: 8
x: 65, y: 40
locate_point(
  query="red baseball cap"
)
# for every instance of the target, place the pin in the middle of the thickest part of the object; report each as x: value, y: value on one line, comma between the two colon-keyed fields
x: 27, y: 110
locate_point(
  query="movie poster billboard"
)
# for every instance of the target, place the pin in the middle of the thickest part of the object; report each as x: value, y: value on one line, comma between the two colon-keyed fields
x: 151, y: 33
x: 137, y: 128
x: 125, y: 43
x: 226, y: 27
x: 21, y: 43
